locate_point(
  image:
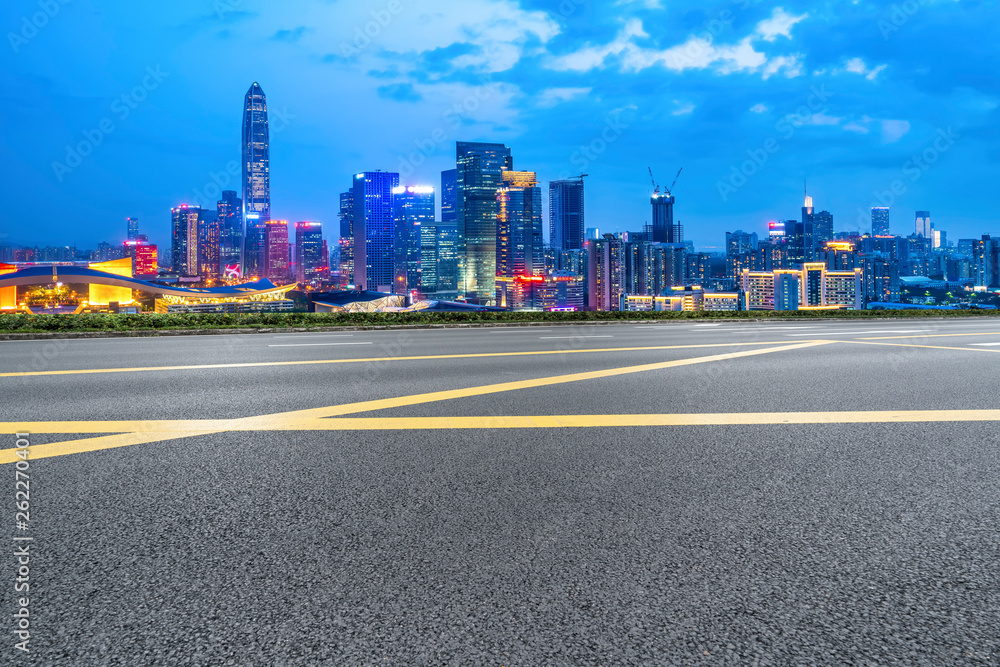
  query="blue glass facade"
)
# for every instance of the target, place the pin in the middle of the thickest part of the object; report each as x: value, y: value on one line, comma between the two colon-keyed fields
x: 374, y: 229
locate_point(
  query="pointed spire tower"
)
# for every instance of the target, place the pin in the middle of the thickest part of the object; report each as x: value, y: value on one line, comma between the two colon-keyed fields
x: 256, y: 177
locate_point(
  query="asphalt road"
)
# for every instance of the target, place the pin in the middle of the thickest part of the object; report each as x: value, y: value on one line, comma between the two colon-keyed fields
x: 764, y: 493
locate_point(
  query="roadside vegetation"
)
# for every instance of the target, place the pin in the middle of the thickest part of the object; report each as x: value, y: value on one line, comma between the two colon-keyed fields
x: 24, y: 323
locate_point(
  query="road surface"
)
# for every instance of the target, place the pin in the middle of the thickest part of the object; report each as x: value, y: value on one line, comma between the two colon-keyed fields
x: 636, y: 494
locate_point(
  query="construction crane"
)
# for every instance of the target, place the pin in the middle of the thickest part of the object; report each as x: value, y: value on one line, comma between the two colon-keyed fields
x: 656, y: 188
x: 670, y: 190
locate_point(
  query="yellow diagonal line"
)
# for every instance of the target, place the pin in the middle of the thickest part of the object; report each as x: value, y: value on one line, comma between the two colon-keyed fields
x: 433, y: 397
x: 314, y: 362
x: 930, y: 347
x: 137, y: 432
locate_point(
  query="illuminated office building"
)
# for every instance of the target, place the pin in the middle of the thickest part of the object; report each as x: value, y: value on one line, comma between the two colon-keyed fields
x: 605, y: 272
x: 208, y: 245
x: 479, y: 167
x: 374, y: 230
x: 346, y: 243
x: 811, y: 288
x: 276, y: 251
x: 880, y: 221
x: 230, y: 212
x: 663, y: 229
x: 822, y: 228
x: 449, y: 196
x: 256, y: 179
x: 519, y: 226
x: 309, y: 261
x: 133, y: 229
x: 413, y: 207
x: 922, y: 224
x: 184, y: 239
x: 566, y: 214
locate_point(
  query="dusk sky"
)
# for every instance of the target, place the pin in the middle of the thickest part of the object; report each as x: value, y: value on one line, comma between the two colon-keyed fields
x: 848, y: 95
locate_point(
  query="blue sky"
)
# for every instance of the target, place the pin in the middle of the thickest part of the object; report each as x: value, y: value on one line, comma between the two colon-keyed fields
x: 871, y: 102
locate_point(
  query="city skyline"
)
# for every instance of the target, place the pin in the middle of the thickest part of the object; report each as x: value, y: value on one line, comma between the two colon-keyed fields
x: 783, y: 109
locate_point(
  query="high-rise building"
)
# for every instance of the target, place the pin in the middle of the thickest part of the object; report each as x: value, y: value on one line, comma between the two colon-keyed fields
x: 413, y: 206
x: 822, y: 228
x: 447, y: 261
x: 519, y: 248
x: 605, y: 273
x: 143, y: 257
x: 230, y: 211
x: 479, y: 167
x: 276, y: 251
x: 346, y: 244
x: 663, y: 229
x: 309, y: 261
x: 566, y: 215
x: 208, y: 244
x: 880, y: 221
x: 519, y: 225
x: 801, y: 245
x: 922, y: 224
x: 449, y: 196
x: 184, y: 239
x: 133, y: 229
x: 374, y: 230
x: 256, y: 178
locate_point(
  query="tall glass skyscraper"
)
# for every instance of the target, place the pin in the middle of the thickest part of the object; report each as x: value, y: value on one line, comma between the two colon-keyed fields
x: 413, y: 207
x: 449, y: 193
x: 479, y: 167
x: 566, y: 222
x: 346, y: 245
x: 663, y: 228
x: 133, y: 229
x: 256, y: 178
x: 922, y: 224
x: 184, y: 222
x: 230, y: 209
x: 880, y: 221
x: 374, y: 230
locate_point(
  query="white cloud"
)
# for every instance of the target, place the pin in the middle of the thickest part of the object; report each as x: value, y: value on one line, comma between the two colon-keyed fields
x: 758, y: 108
x: 858, y: 66
x: 550, y: 97
x: 779, y: 25
x: 694, y: 53
x: 682, y: 109
x: 648, y: 4
x: 856, y: 127
x: 894, y: 130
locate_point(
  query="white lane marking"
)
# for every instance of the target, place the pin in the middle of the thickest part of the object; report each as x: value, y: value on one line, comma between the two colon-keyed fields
x: 317, y: 344
x: 985, y: 344
x: 862, y: 333
x: 314, y: 336
x: 558, y: 337
x: 707, y: 325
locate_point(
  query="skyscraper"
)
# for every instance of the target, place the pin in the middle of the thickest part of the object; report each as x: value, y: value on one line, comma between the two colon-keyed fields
x: 230, y: 210
x: 256, y: 177
x: 566, y: 220
x: 208, y: 244
x: 519, y: 225
x: 184, y: 239
x: 822, y: 228
x: 133, y: 229
x: 922, y: 224
x: 374, y: 230
x: 309, y: 260
x: 880, y: 221
x: 449, y: 193
x: 347, y: 237
x: 663, y: 228
x: 413, y: 206
x: 479, y: 167
x: 276, y: 255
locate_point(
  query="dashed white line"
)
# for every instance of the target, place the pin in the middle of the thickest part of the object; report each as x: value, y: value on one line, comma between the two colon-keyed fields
x: 559, y: 337
x: 317, y: 344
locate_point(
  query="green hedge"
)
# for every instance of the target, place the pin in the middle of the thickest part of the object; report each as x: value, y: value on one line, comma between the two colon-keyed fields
x: 21, y: 322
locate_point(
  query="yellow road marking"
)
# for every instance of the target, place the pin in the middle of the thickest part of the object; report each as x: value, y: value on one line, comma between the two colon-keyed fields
x: 311, y: 362
x: 989, y: 333
x: 433, y: 397
x: 146, y: 431
x: 930, y: 347
x: 188, y: 429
